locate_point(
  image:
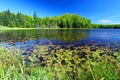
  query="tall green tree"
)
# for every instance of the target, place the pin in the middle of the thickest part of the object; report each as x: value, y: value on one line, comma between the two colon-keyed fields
x: 35, y: 19
x: 65, y: 21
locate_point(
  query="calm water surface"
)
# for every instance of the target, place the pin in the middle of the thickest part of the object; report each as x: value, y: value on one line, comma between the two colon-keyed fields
x: 63, y: 37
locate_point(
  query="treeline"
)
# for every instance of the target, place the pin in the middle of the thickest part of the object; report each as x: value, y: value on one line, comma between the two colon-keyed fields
x: 106, y: 26
x: 20, y: 20
x: 15, y: 20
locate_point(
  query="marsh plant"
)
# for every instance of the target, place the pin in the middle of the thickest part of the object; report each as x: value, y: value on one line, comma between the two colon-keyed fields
x: 49, y: 63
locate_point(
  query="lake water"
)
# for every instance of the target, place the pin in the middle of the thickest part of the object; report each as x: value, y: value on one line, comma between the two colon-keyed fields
x: 62, y: 37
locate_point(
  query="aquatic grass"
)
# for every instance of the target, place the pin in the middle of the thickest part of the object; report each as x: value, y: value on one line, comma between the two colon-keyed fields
x: 60, y: 64
x: 12, y: 67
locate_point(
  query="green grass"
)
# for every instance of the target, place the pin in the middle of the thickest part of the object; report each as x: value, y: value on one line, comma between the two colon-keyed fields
x: 94, y: 67
x: 16, y: 28
x: 3, y: 27
x: 13, y: 67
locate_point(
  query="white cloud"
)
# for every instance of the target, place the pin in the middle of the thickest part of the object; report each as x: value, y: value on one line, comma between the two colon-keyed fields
x: 104, y: 21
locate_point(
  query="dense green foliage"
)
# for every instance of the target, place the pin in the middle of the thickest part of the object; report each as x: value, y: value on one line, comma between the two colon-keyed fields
x: 106, y: 26
x: 20, y: 20
x: 79, y: 64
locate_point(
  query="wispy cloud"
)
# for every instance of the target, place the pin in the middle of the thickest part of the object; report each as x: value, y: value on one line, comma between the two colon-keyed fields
x: 108, y: 19
x: 104, y: 21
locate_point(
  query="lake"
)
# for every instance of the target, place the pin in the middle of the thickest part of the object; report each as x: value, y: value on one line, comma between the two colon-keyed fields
x: 100, y: 38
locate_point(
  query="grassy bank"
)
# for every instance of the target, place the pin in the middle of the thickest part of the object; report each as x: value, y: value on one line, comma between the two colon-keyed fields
x: 16, y: 28
x: 3, y: 27
x: 78, y: 64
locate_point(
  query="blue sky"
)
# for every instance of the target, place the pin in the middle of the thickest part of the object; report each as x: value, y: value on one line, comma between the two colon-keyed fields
x: 99, y: 11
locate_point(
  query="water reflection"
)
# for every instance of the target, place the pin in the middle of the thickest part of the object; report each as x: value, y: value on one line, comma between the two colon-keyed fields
x: 63, y: 35
x: 27, y: 40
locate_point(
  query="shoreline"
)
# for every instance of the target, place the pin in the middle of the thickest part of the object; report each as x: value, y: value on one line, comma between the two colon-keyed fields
x: 39, y: 28
x: 7, y: 28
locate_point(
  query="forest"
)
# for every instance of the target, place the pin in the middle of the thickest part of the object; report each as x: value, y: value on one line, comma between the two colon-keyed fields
x: 19, y: 20
x: 106, y: 26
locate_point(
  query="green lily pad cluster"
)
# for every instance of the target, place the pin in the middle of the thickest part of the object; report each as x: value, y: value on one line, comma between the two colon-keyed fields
x: 83, y: 60
x: 52, y: 62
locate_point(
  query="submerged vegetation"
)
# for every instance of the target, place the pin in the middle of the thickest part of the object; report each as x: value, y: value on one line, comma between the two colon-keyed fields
x: 50, y: 62
x: 59, y: 55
